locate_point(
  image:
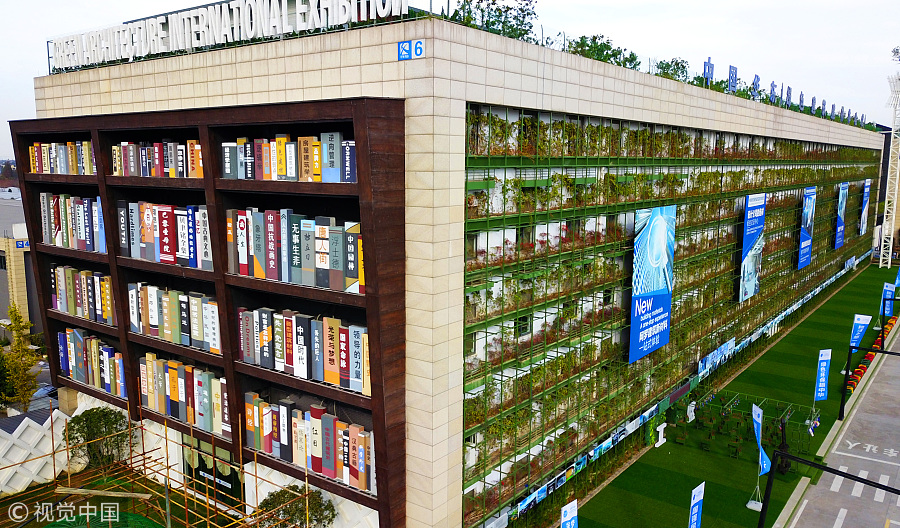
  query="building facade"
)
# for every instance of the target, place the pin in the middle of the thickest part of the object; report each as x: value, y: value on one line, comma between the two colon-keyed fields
x: 525, y: 173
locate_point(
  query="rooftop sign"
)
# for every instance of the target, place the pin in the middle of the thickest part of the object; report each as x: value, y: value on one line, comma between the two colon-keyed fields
x: 217, y: 24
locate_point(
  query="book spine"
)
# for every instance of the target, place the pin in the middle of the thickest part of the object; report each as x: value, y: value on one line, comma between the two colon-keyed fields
x: 226, y: 412
x: 354, y: 431
x: 184, y: 311
x: 318, y: 350
x: 308, y: 252
x: 241, y: 241
x: 316, y: 412
x: 214, y: 345
x: 336, y: 262
x: 259, y: 246
x: 349, y: 161
x: 142, y: 362
x: 356, y: 357
x: 289, y: 333
x: 191, y: 232
x: 266, y: 356
x: 344, y: 356
x: 231, y: 248
x: 204, y: 239
x: 272, y: 252
x: 181, y: 236
x: 182, y: 393
x: 328, y: 445
x: 301, y: 346
x: 331, y: 327
x: 285, y: 240
x: 246, y: 338
x: 366, y: 380
x: 278, y: 341
x: 249, y: 424
x: 323, y: 277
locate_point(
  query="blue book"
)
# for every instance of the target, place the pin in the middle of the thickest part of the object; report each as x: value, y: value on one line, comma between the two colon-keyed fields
x: 318, y: 344
x: 192, y: 236
x: 121, y: 378
x: 348, y: 162
x: 89, y: 224
x: 63, y: 353
x: 156, y: 234
x: 356, y: 357
x: 307, y: 421
x: 276, y: 431
x: 78, y: 340
x: 79, y: 166
x: 101, y: 233
x: 110, y: 356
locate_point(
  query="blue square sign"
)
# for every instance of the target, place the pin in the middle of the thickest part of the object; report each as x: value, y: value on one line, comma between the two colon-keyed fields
x: 404, y: 50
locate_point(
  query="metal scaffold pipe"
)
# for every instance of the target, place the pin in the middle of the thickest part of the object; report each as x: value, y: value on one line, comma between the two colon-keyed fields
x: 893, y: 176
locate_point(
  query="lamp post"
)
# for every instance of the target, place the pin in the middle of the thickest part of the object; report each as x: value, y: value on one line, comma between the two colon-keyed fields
x: 893, y: 173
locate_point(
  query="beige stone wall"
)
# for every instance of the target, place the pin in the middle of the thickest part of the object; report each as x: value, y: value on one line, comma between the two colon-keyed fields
x: 461, y: 64
x: 17, y: 285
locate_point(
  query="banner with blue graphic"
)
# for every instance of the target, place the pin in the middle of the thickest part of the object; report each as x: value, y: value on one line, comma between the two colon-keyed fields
x: 651, y: 286
x: 753, y: 242
x: 842, y: 206
x: 715, y: 358
x: 806, y: 227
x: 887, y: 308
x: 569, y: 515
x: 822, y: 375
x: 697, y: 505
x: 764, y: 463
x: 860, y: 324
x: 864, y: 219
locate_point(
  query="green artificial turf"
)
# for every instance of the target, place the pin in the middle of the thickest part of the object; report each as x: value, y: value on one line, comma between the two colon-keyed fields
x: 655, y: 491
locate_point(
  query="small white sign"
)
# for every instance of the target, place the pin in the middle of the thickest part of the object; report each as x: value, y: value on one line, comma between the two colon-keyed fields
x: 662, y: 434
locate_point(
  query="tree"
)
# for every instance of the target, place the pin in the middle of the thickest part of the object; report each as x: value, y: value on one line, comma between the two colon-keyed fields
x: 675, y: 69
x: 600, y: 48
x: 287, y: 507
x: 497, y: 16
x: 7, y: 172
x: 20, y: 360
x: 105, y: 428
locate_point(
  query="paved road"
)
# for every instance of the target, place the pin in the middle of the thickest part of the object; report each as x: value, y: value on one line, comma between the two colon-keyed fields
x: 868, y: 445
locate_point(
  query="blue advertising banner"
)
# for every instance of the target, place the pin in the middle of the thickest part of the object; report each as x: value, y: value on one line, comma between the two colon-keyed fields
x: 752, y: 245
x: 864, y: 219
x: 860, y: 323
x: 651, y: 293
x: 715, y: 358
x: 764, y: 463
x: 806, y: 227
x: 842, y: 206
x: 697, y: 505
x: 887, y: 308
x: 822, y: 375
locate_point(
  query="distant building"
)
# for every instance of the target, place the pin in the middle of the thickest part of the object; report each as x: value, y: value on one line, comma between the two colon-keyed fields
x: 15, y: 264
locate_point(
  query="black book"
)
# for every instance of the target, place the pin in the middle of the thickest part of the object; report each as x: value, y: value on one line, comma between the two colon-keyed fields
x: 124, y: 227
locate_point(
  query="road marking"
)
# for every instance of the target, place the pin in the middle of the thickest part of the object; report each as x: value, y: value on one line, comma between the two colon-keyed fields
x: 840, y: 518
x: 851, y: 455
x: 858, y: 486
x: 879, y: 494
x: 799, y: 513
x: 838, y: 480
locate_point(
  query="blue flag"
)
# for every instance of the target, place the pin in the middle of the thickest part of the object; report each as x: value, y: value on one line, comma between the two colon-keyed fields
x: 764, y: 463
x: 822, y: 375
x: 887, y: 308
x: 860, y: 324
x: 697, y: 505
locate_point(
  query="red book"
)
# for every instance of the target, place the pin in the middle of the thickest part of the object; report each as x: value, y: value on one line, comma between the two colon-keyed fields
x: 157, y: 160
x: 189, y: 392
x: 258, y: 158
x: 289, y: 343
x: 38, y: 159
x: 273, y: 254
x: 315, y: 414
x: 168, y: 234
x: 344, y: 356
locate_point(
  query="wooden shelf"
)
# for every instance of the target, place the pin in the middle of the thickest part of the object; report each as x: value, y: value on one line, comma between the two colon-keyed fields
x: 307, y: 292
x: 317, y: 388
x: 319, y: 481
x: 139, y: 181
x: 93, y: 391
x: 173, y: 270
x: 288, y: 187
x: 76, y: 179
x: 89, y: 256
x: 93, y: 326
x: 178, y: 350
x: 183, y: 427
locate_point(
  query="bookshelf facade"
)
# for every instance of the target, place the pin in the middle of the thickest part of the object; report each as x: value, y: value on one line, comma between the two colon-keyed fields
x: 375, y: 202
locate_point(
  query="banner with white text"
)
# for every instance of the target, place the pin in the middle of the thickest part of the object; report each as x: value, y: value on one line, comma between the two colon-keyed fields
x: 806, y: 227
x: 864, y: 219
x: 651, y: 294
x: 842, y: 206
x: 753, y: 242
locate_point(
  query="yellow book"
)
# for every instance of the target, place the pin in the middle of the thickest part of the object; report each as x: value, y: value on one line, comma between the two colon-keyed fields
x: 95, y: 361
x: 33, y: 159
x: 88, y: 157
x: 198, y: 155
x: 73, y: 157
x: 216, y: 391
x: 173, y: 385
x: 317, y: 161
x: 332, y: 330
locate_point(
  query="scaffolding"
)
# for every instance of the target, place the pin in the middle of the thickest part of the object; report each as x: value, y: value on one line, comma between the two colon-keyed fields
x: 893, y: 177
x: 146, y: 483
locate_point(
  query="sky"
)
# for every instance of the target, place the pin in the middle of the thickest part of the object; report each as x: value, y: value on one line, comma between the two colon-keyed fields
x: 831, y: 49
